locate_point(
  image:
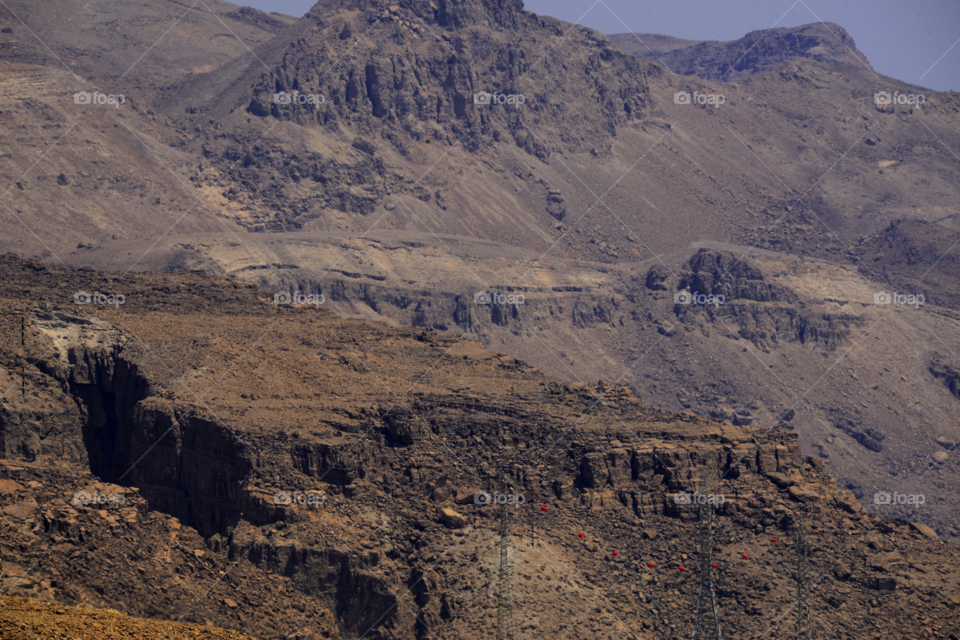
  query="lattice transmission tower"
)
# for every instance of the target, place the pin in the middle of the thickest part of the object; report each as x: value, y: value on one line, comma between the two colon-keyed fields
x: 505, y: 628
x: 803, y: 582
x: 504, y: 591
x: 703, y: 628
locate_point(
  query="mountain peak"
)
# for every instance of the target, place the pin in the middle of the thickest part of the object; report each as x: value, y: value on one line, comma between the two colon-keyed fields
x: 757, y: 52
x: 444, y: 13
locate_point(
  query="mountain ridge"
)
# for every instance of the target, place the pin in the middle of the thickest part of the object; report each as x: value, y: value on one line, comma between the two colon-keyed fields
x: 759, y: 51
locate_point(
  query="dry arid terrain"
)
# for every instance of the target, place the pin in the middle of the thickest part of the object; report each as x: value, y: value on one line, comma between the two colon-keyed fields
x: 146, y: 452
x: 28, y: 618
x: 384, y: 252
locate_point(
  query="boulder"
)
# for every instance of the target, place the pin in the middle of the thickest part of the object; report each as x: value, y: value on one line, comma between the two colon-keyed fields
x: 804, y: 494
x: 925, y: 530
x: 465, y: 495
x: 452, y: 519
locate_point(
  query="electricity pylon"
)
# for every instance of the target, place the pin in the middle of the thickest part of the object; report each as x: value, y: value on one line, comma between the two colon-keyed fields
x: 803, y: 582
x: 504, y: 592
x: 701, y: 628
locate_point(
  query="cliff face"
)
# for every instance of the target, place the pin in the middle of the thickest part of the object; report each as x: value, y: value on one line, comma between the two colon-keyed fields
x: 206, y: 415
x: 394, y: 82
x: 444, y: 13
x: 415, y: 74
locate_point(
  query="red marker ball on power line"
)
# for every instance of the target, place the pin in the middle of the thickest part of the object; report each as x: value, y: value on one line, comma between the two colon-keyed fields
x: 580, y: 535
x: 543, y: 508
x: 714, y: 565
x: 683, y: 568
x: 614, y: 553
x: 774, y: 539
x: 744, y: 555
x: 649, y: 564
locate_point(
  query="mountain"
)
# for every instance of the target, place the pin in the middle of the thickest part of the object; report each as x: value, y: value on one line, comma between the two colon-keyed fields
x: 399, y: 199
x: 392, y: 182
x: 107, y: 42
x: 198, y: 452
x: 757, y: 52
x: 77, y: 174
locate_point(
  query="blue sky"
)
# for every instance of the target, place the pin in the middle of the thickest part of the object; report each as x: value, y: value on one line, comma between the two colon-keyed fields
x: 901, y: 39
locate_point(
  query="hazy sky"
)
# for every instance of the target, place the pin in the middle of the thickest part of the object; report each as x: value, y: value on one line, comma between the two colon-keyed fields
x: 903, y: 39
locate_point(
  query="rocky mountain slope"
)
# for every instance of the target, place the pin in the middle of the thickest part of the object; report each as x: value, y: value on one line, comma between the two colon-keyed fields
x: 757, y: 52
x: 399, y: 198
x: 27, y: 618
x: 107, y: 43
x: 77, y: 174
x: 161, y: 458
